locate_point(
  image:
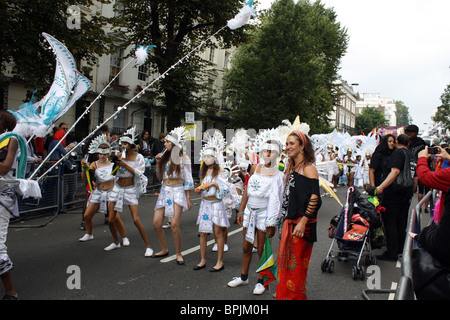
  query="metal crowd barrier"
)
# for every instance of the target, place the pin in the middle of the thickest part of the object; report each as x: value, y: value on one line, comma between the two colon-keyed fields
x: 62, y: 192
x: 405, y: 290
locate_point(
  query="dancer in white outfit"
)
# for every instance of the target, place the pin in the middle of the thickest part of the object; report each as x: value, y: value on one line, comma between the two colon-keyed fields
x: 261, y: 203
x: 174, y: 170
x: 130, y: 184
x: 212, y: 215
x: 104, y: 183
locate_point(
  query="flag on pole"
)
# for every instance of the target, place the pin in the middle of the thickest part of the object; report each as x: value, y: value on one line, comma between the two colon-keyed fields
x: 267, y: 266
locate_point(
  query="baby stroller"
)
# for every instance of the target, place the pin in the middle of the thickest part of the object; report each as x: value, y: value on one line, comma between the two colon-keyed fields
x: 350, y: 230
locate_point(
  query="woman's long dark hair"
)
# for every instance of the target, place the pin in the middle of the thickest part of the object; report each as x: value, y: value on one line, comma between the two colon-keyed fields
x: 216, y: 169
x: 383, y: 146
x: 173, y: 167
x: 308, y: 152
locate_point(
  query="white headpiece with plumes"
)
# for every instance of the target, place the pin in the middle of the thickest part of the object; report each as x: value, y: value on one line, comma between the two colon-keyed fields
x: 269, y: 139
x: 96, y: 142
x: 214, y: 145
x: 286, y: 128
x: 240, y: 142
x: 130, y: 132
x: 177, y: 136
x: 232, y: 170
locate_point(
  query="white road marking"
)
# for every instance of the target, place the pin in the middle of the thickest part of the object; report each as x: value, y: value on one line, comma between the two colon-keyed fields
x: 196, y: 248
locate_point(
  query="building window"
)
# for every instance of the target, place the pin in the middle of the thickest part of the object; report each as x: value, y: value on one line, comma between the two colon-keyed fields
x: 210, y: 88
x: 119, y: 121
x: 114, y: 64
x: 142, y: 73
x: 227, y: 58
x: 211, y: 54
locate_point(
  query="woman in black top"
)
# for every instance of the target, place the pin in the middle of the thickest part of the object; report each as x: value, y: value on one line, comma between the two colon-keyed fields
x: 396, y: 202
x: 378, y: 169
x: 300, y: 205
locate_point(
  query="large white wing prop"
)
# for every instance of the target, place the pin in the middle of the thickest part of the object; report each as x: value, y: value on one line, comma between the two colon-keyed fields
x: 68, y: 86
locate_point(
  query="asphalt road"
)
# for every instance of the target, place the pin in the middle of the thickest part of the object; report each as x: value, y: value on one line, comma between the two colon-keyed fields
x: 45, y: 258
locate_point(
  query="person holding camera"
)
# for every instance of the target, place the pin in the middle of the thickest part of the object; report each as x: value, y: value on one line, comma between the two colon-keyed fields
x: 439, y: 180
x: 435, y: 238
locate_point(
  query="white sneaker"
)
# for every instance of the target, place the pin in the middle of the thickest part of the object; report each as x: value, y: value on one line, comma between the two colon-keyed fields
x: 166, y: 226
x: 237, y: 281
x: 86, y: 237
x: 225, y: 248
x: 112, y: 246
x: 259, y: 289
x: 148, y: 252
x: 125, y: 242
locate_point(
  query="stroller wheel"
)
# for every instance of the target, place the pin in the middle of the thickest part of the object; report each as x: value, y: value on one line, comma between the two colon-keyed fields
x: 354, y: 273
x: 361, y: 272
x: 324, y: 265
x: 358, y: 272
x: 331, y: 266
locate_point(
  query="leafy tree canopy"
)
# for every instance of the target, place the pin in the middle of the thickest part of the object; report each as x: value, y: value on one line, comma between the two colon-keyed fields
x: 287, y: 67
x: 22, y: 23
x: 368, y: 119
x: 443, y: 111
x: 176, y: 27
x: 403, y: 116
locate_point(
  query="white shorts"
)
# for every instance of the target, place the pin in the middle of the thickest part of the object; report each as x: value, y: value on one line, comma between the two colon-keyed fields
x: 254, y: 218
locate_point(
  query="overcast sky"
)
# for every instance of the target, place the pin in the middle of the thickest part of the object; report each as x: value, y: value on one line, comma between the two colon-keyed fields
x: 397, y: 48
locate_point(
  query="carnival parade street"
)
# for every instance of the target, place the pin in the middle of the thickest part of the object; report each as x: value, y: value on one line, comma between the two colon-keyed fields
x: 47, y: 259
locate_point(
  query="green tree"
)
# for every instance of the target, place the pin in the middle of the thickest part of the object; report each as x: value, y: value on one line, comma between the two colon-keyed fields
x: 287, y: 67
x: 175, y: 27
x: 403, y: 116
x: 443, y: 111
x: 23, y: 47
x: 368, y: 119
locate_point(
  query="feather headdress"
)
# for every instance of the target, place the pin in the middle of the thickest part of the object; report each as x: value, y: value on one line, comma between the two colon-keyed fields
x: 287, y: 127
x: 177, y: 136
x: 96, y: 142
x: 232, y: 170
x: 240, y: 142
x: 214, y: 145
x: 129, y: 136
x: 268, y: 139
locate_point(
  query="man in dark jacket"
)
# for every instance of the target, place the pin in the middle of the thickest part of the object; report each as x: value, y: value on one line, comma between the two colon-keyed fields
x: 396, y: 201
x: 416, y: 144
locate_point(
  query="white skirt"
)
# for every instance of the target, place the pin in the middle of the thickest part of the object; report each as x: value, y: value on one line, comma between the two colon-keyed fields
x: 169, y: 196
x: 124, y: 196
x: 102, y: 197
x: 210, y: 213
